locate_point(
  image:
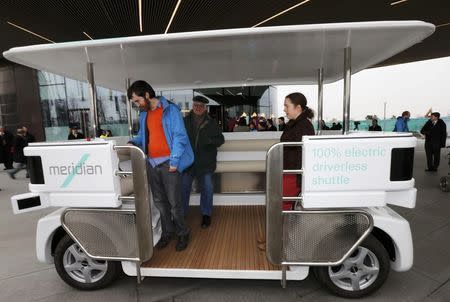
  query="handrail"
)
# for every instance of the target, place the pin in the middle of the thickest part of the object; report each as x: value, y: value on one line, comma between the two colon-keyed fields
x: 274, y: 194
x: 141, y: 199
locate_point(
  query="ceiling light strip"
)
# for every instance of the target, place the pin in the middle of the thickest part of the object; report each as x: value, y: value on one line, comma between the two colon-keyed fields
x: 87, y: 35
x: 173, y: 15
x: 398, y: 2
x: 140, y: 15
x: 444, y: 24
x: 29, y: 31
x: 283, y: 12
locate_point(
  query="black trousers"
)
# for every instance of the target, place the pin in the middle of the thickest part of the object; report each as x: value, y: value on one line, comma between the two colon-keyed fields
x: 166, y: 192
x: 433, y: 155
x: 8, y: 160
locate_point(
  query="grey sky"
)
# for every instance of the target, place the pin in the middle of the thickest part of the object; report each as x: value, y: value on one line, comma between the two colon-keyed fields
x: 413, y: 86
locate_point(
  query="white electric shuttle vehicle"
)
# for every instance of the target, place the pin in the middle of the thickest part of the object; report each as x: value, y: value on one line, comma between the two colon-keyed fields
x: 342, y: 227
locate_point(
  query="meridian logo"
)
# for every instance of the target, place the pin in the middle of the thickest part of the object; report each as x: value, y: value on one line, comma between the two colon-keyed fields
x: 79, y: 169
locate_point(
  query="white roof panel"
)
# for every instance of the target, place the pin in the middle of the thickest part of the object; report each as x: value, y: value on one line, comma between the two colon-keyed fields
x: 231, y: 57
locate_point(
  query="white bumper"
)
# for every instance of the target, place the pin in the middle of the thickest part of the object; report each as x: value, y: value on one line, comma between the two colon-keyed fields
x: 398, y: 229
x: 45, y: 230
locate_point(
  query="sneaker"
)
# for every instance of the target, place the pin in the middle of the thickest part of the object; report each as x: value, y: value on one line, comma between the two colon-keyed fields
x: 164, y: 241
x: 206, y: 221
x: 182, y: 243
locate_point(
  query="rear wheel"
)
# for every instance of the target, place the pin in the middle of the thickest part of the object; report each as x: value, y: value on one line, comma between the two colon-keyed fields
x: 360, y: 274
x: 80, y: 271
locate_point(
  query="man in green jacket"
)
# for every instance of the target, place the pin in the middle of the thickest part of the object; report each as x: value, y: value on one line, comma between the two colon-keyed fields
x: 205, y: 137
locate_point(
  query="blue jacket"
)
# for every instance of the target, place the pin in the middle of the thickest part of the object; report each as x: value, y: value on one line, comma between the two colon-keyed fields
x: 181, y: 154
x: 401, y: 125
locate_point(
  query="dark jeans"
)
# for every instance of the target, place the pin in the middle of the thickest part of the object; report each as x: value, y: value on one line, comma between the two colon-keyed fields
x: 433, y: 156
x: 206, y: 193
x: 166, y: 192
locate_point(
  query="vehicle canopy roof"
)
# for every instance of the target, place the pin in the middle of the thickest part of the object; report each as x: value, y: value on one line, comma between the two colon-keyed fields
x: 230, y: 57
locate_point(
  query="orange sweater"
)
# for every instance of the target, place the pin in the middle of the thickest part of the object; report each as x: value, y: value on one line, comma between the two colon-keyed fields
x: 157, y: 143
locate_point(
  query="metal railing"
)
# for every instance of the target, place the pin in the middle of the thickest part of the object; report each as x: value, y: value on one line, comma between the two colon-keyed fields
x: 117, y: 234
x: 307, y: 237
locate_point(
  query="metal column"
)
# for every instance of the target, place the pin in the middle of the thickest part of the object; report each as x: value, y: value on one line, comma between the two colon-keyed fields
x: 319, y: 100
x: 93, y: 93
x: 129, y: 109
x: 347, y: 79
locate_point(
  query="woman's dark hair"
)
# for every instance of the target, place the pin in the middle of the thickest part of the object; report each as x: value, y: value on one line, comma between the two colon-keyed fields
x: 139, y: 88
x: 242, y: 121
x: 298, y: 98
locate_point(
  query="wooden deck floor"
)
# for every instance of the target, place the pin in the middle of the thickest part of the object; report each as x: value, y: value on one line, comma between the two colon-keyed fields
x: 229, y: 243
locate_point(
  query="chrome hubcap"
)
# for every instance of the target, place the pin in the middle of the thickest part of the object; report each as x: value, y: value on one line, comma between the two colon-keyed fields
x: 357, y: 272
x: 82, y: 268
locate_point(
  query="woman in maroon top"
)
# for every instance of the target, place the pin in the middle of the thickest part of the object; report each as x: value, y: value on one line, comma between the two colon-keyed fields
x: 300, y: 115
x: 299, y: 124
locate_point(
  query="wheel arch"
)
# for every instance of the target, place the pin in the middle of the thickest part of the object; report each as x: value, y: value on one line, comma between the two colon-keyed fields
x: 386, y: 241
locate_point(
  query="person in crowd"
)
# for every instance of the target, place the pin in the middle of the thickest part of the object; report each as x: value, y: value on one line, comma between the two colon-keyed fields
x: 375, y: 126
x: 103, y: 133
x: 299, y: 125
x: 281, y: 123
x: 109, y: 133
x: 333, y: 126
x: 20, y: 143
x: 356, y: 123
x: 339, y: 126
x: 262, y: 124
x: 402, y: 122
x: 74, y: 134
x: 435, y: 131
x: 300, y: 115
x: 251, y: 127
x: 6, y: 146
x: 242, y: 125
x: 323, y: 125
x: 270, y: 125
x: 205, y: 137
x: 28, y: 136
x: 163, y: 138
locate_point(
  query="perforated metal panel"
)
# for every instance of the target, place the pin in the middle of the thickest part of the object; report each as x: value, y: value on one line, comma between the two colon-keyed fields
x: 322, y: 237
x: 104, y: 234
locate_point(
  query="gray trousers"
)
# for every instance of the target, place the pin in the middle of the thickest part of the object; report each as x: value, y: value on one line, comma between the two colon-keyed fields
x: 166, y: 192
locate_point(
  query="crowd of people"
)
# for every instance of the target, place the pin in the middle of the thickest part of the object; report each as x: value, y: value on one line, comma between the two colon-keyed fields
x: 75, y: 133
x: 256, y: 123
x: 11, y: 149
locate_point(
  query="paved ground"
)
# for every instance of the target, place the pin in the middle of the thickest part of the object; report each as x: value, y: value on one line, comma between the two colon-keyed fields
x: 23, y: 278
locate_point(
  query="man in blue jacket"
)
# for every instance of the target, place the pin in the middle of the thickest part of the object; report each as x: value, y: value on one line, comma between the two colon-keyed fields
x: 402, y: 122
x: 163, y: 138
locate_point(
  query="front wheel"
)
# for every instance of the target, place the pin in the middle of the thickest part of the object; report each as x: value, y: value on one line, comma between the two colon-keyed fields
x: 80, y: 271
x: 359, y: 275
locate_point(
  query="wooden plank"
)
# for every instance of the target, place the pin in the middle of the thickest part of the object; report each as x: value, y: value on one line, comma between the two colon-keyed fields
x: 229, y: 243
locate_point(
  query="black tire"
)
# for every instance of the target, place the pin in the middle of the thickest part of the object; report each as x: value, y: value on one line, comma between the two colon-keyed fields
x: 113, y: 268
x: 376, y: 247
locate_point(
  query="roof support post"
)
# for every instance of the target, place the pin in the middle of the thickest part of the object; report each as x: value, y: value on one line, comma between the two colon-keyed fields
x: 129, y: 109
x: 319, y: 100
x: 93, y: 94
x: 347, y: 80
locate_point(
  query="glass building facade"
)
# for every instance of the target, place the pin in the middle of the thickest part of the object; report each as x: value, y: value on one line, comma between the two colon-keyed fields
x: 65, y: 103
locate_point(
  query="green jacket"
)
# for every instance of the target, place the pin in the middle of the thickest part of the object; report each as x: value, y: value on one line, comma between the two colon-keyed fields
x: 204, y: 141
